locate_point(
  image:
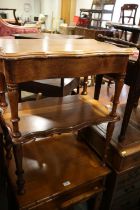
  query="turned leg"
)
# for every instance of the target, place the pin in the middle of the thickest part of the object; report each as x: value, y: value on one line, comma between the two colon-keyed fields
x: 98, y: 83
x: 2, y: 91
x: 84, y: 92
x: 18, y: 155
x: 109, y: 132
x: 13, y: 96
x: 119, y: 81
x: 118, y: 87
x: 17, y: 147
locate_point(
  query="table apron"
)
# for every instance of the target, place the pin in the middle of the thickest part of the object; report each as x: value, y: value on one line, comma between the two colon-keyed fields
x: 23, y: 70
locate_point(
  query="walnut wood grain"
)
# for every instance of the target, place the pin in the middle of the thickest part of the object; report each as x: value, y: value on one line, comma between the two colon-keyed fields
x: 46, y: 173
x: 58, y: 115
x: 59, y: 59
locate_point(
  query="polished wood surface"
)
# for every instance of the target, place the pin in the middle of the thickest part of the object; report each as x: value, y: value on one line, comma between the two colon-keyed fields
x: 51, y: 177
x: 46, y: 36
x: 49, y: 87
x: 47, y: 58
x: 81, y: 110
x: 10, y: 48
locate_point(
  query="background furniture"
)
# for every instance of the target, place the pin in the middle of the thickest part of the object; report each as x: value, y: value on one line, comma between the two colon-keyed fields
x: 96, y: 15
x: 49, y: 116
x: 129, y: 28
x: 7, y: 29
x: 128, y: 16
x: 16, y: 21
x: 132, y: 79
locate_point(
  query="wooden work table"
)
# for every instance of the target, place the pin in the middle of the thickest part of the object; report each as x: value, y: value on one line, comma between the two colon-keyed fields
x: 54, y: 58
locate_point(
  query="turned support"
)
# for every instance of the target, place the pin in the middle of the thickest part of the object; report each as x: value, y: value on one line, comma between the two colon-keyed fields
x: 13, y: 100
x: 119, y: 81
x: 85, y: 83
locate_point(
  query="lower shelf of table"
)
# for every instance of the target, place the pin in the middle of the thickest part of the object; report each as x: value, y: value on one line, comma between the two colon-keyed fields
x: 59, y: 172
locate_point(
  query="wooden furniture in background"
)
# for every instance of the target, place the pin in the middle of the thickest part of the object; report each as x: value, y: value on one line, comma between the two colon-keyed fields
x: 132, y: 79
x: 128, y: 16
x: 98, y: 10
x: 57, y: 59
x: 130, y: 28
x: 16, y: 22
x: 123, y: 183
x: 7, y: 29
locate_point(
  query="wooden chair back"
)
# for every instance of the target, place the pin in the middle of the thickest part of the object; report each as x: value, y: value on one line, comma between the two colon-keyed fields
x: 128, y: 13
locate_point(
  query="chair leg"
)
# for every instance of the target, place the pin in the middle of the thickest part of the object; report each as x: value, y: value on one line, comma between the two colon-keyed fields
x: 128, y: 110
x: 18, y: 155
x: 84, y: 92
x: 136, y: 101
x: 109, y: 132
x: 98, y: 82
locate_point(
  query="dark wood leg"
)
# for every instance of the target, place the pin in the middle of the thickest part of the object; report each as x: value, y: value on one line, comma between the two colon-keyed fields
x: 118, y: 87
x: 8, y: 141
x: 19, y: 95
x: 13, y: 100
x: 128, y: 110
x: 84, y: 92
x: 2, y: 91
x: 18, y: 155
x: 119, y: 81
x: 109, y: 132
x: 98, y: 83
x: 62, y: 86
x: 17, y: 147
x: 136, y: 102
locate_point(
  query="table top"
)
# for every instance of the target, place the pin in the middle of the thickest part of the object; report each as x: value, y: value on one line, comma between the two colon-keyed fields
x: 46, y: 36
x: 29, y: 48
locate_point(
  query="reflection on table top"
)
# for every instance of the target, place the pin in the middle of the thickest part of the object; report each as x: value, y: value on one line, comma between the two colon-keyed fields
x: 46, y: 36
x: 19, y: 48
